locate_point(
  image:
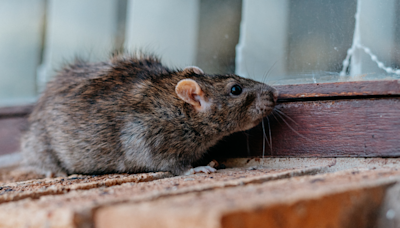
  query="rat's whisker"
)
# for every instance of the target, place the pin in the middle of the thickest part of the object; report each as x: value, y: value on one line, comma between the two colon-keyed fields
x: 264, y: 138
x: 270, y: 135
x: 249, y: 74
x: 291, y: 128
x: 285, y: 115
x: 273, y: 114
x: 248, y: 144
x: 267, y: 73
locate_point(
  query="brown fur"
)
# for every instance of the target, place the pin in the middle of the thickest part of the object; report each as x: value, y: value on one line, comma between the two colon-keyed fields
x: 124, y: 116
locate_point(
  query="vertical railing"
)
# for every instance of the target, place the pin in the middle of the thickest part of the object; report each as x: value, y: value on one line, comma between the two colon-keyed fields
x: 166, y: 27
x: 21, y: 26
x: 39, y: 36
x: 75, y: 28
x: 263, y: 39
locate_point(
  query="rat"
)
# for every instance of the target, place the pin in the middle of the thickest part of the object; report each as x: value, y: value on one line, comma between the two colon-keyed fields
x: 132, y: 114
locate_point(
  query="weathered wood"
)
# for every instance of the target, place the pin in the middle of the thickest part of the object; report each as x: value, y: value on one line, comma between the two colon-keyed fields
x: 340, y: 89
x: 10, y: 133
x: 12, y: 121
x: 341, y: 128
x: 363, y: 127
x: 16, y: 111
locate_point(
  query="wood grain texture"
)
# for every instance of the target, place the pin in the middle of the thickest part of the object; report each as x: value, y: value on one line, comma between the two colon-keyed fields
x: 10, y: 133
x: 341, y: 128
x: 340, y: 89
x: 20, y: 111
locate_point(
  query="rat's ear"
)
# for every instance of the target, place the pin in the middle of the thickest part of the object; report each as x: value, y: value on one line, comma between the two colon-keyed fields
x: 194, y: 69
x: 189, y: 91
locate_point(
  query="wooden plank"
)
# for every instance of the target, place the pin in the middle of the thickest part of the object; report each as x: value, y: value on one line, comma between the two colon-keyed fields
x: 12, y: 121
x: 340, y: 89
x: 364, y: 127
x: 15, y: 111
x: 341, y: 128
x: 10, y: 133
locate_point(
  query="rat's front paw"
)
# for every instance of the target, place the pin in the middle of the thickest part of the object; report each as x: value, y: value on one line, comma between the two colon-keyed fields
x: 51, y: 174
x: 200, y: 169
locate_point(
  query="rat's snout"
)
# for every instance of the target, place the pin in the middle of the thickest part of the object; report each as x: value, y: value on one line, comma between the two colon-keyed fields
x: 266, y: 99
x: 274, y: 94
x: 270, y: 93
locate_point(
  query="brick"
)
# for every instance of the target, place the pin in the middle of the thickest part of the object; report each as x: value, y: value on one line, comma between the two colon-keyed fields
x: 250, y: 196
x: 343, y: 199
x: 74, y: 208
x: 34, y: 189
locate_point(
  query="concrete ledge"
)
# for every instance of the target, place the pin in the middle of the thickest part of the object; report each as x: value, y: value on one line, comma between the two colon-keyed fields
x: 34, y: 189
x: 332, y: 164
x: 79, y: 204
x: 279, y: 192
x: 328, y: 200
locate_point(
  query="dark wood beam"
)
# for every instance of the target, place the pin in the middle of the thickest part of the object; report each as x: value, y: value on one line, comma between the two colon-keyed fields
x: 340, y: 89
x: 344, y: 119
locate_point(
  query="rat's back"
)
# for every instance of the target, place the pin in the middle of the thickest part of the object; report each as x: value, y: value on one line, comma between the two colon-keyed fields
x: 75, y: 125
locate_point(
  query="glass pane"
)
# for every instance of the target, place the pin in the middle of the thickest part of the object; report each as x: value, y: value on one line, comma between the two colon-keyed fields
x: 293, y: 41
x: 320, y: 41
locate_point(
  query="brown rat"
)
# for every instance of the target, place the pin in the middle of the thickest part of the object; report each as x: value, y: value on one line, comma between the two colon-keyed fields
x: 132, y: 114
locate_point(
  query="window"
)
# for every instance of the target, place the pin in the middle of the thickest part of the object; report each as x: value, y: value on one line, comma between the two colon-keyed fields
x: 294, y: 41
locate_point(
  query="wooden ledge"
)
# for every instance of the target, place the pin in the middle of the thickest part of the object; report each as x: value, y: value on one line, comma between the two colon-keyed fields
x: 256, y: 197
x: 343, y: 119
x: 367, y: 127
x: 340, y: 89
x: 16, y: 111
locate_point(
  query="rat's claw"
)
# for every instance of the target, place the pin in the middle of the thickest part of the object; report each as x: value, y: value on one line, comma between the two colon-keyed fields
x: 50, y: 174
x: 204, y: 169
x: 201, y: 169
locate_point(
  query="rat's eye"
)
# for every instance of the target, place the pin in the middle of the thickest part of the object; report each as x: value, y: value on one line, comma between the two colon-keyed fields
x: 236, y: 90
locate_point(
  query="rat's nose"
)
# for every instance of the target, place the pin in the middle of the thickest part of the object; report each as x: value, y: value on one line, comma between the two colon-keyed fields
x: 274, y: 94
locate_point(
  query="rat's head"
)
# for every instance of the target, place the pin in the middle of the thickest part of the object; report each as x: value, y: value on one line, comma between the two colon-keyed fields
x: 231, y: 102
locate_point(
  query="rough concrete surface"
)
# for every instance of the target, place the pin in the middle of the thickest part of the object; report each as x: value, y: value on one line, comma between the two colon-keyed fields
x: 257, y: 193
x: 340, y: 200
x: 80, y: 202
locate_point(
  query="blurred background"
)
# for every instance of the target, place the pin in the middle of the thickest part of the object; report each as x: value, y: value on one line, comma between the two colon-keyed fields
x: 296, y: 41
